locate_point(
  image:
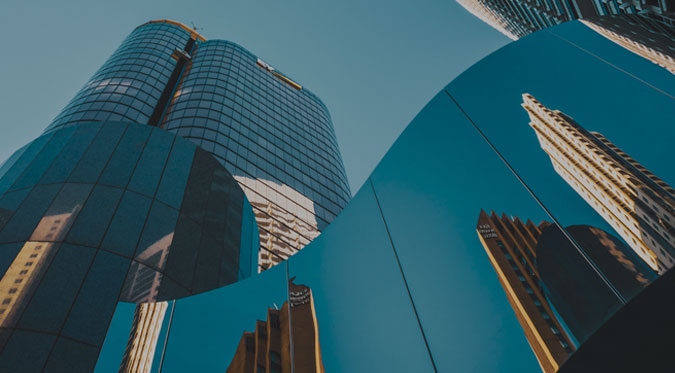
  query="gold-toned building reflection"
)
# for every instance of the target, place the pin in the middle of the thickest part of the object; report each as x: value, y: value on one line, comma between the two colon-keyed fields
x: 646, y: 38
x: 268, y: 348
x: 286, y: 219
x: 638, y: 205
x: 511, y: 247
x: 143, y: 338
x: 21, y: 278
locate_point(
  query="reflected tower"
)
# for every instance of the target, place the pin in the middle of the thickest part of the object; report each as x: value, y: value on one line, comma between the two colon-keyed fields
x: 638, y: 205
x: 267, y: 349
x: 511, y: 246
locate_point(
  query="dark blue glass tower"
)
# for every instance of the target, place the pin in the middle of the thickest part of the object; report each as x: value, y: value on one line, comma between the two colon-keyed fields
x: 113, y: 203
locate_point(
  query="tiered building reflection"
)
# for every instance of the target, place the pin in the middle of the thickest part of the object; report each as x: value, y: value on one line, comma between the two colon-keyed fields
x: 270, y: 348
x: 548, y: 282
x: 636, y: 203
x: 511, y: 246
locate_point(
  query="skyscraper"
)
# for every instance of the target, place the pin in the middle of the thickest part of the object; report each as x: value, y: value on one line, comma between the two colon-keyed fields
x: 511, y: 247
x: 272, y: 134
x: 518, y: 18
x: 124, y: 135
x: 268, y: 348
x: 581, y: 297
x: 646, y: 38
x: 635, y: 202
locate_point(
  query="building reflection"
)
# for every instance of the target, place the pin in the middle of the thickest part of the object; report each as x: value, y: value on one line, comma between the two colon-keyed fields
x: 511, y: 246
x: 646, y: 38
x: 638, y: 205
x: 23, y: 275
x: 286, y: 219
x: 557, y: 295
x: 269, y: 347
x: 143, y: 338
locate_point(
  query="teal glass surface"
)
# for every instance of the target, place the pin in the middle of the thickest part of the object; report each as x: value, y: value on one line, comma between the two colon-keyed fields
x: 365, y: 319
x: 207, y: 328
x: 431, y: 187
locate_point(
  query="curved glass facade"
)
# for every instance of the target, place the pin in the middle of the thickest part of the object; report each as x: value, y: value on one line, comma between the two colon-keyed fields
x: 102, y: 212
x: 128, y: 86
x: 276, y: 139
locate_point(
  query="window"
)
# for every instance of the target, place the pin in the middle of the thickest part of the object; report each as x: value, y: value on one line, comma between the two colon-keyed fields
x: 12, y: 291
x: 6, y: 300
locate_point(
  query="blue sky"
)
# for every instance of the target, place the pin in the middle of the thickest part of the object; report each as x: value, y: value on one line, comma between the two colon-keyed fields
x: 374, y: 63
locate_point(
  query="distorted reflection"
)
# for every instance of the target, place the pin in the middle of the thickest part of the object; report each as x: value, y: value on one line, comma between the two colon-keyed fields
x: 143, y: 338
x: 24, y: 274
x: 557, y: 296
x: 511, y: 245
x: 286, y: 219
x: 646, y: 38
x: 143, y: 282
x: 21, y: 279
x: 636, y: 203
x: 270, y: 348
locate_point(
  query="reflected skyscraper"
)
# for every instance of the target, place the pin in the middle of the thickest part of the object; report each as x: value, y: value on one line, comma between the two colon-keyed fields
x: 511, y: 246
x: 581, y: 297
x: 268, y: 348
x: 636, y: 203
x: 640, y: 35
x: 518, y: 18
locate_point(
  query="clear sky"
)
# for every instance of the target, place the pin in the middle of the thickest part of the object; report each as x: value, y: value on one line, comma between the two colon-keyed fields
x: 374, y: 63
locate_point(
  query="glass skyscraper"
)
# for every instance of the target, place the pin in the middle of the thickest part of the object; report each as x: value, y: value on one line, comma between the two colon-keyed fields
x: 518, y: 18
x: 255, y: 129
x: 272, y: 134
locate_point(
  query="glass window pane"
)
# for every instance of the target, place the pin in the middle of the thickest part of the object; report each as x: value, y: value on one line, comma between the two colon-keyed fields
x: 127, y: 224
x: 89, y: 318
x: 25, y: 219
x: 93, y: 220
x: 9, y: 202
x: 66, y: 161
x: 62, y: 213
x: 177, y: 171
x: 150, y: 166
x: 44, y: 159
x: 91, y: 164
x: 122, y: 163
x: 58, y: 289
x: 17, y: 358
x: 71, y: 356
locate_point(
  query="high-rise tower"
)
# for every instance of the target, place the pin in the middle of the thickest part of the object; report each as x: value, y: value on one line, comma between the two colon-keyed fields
x: 115, y: 178
x: 518, y: 18
x: 635, y: 202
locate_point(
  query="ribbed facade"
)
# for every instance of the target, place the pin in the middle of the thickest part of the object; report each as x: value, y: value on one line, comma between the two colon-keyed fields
x: 648, y: 39
x: 636, y: 203
x: 518, y: 18
x: 145, y: 330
